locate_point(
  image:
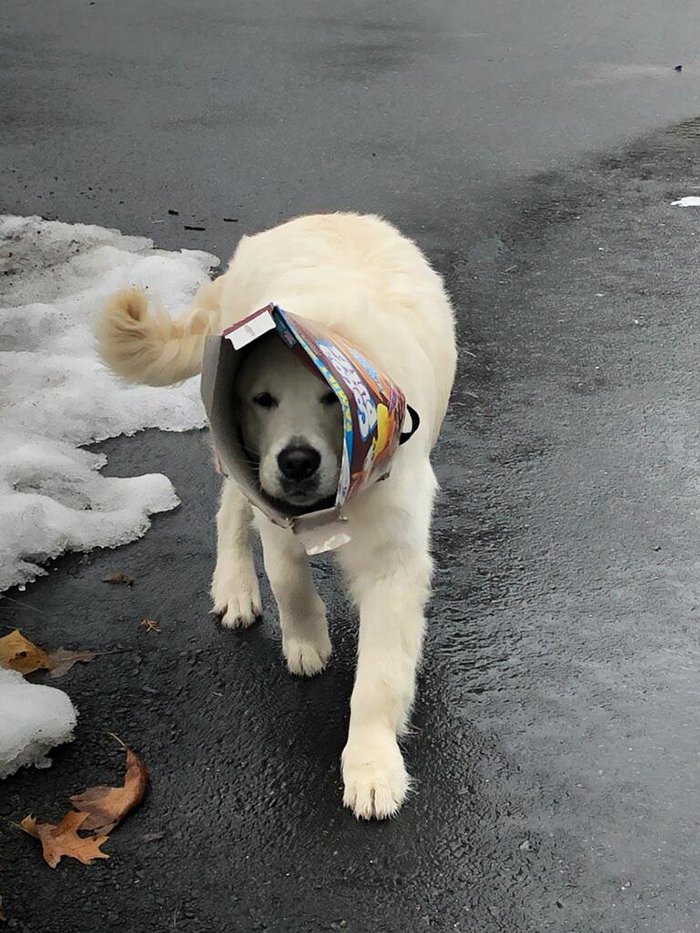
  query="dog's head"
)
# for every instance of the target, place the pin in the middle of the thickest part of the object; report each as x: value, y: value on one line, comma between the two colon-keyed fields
x: 291, y: 426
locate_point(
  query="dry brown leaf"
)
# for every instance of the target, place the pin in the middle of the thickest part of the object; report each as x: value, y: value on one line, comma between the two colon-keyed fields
x: 63, y: 839
x: 119, y: 578
x: 107, y: 806
x: 150, y: 625
x: 63, y: 660
x: 19, y: 654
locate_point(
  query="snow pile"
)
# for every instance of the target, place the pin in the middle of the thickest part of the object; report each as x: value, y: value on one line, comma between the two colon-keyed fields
x: 690, y: 201
x: 55, y: 395
x: 34, y: 719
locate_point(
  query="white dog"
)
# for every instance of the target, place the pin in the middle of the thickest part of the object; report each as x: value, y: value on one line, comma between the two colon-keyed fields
x: 360, y: 277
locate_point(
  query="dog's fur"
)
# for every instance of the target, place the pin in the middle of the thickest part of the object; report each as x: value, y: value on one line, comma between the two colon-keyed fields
x: 360, y: 277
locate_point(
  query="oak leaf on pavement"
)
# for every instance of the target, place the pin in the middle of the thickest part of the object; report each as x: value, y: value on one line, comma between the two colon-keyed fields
x: 63, y: 839
x: 107, y: 806
x: 62, y: 660
x: 20, y: 654
x: 119, y: 578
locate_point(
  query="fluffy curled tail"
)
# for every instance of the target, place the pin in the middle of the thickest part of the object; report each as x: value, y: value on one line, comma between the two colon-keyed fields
x: 144, y: 344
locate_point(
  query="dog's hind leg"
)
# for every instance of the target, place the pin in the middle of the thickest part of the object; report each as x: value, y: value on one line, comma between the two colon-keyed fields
x: 305, y: 640
x: 389, y: 569
x: 235, y: 588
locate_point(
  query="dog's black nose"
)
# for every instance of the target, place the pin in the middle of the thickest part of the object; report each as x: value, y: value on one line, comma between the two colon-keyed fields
x: 298, y: 463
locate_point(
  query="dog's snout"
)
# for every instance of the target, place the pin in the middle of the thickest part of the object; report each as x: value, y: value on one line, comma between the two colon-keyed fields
x: 298, y: 462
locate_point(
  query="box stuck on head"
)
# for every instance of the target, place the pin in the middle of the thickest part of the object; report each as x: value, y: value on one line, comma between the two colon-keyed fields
x: 365, y: 416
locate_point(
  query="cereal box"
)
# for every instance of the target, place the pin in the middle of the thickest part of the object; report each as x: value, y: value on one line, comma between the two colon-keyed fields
x: 374, y: 409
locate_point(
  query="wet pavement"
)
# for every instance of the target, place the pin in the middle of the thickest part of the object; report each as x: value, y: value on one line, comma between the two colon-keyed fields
x: 555, y: 750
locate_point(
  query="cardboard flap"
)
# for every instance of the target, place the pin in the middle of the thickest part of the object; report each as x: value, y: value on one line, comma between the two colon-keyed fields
x: 254, y: 327
x: 324, y: 537
x: 220, y: 365
x: 210, y: 366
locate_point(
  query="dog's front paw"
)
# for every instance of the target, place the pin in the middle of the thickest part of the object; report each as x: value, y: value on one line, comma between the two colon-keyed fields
x: 375, y: 778
x: 240, y: 611
x: 236, y: 597
x: 307, y: 658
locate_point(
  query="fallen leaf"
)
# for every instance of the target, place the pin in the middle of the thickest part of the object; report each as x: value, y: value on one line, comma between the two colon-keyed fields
x: 63, y: 839
x: 152, y: 837
x: 107, y: 806
x: 3, y: 918
x: 119, y: 578
x: 19, y: 654
x: 63, y: 660
x: 150, y: 624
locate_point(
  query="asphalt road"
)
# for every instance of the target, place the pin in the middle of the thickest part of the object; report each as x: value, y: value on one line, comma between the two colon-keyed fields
x: 534, y: 153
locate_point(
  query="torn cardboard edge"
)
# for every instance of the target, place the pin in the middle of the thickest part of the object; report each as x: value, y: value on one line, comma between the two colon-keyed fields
x: 373, y: 409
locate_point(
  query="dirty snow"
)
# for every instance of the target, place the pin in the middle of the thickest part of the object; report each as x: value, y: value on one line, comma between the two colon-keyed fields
x: 34, y: 719
x: 55, y: 396
x: 690, y: 201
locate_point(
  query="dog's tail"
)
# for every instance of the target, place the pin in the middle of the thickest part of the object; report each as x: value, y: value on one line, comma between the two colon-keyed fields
x: 144, y: 344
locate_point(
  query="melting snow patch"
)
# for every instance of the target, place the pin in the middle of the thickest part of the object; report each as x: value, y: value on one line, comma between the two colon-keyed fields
x: 690, y: 201
x: 55, y: 395
x: 34, y: 719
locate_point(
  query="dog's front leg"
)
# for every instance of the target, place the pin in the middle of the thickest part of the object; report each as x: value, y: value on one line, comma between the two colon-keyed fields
x: 305, y: 640
x: 391, y: 633
x: 235, y: 588
x: 390, y: 577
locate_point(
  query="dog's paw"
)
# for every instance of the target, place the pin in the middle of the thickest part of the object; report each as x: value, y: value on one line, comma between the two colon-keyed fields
x: 306, y: 658
x: 236, y: 598
x: 375, y: 779
x: 241, y: 611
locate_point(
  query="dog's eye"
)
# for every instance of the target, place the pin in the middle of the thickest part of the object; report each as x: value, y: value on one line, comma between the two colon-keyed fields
x: 265, y: 400
x: 330, y: 398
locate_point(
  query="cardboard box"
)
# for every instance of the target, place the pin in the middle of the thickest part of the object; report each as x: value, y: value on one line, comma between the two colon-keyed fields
x: 373, y: 408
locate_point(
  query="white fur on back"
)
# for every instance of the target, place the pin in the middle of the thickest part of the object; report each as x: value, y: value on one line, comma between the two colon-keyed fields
x: 354, y: 273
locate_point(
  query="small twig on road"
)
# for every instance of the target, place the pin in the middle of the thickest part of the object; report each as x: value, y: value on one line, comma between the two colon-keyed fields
x: 23, y: 605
